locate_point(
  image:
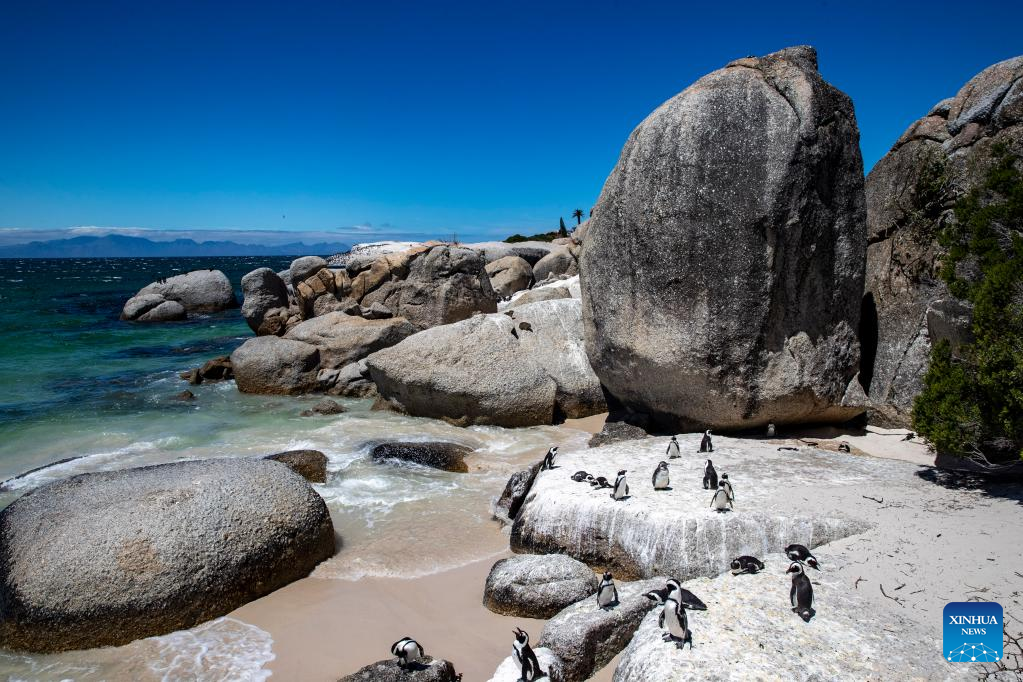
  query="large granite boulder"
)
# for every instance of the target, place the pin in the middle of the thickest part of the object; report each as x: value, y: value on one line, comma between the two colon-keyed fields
x: 910, y: 193
x: 309, y: 464
x: 199, y: 291
x: 165, y: 311
x: 560, y: 262
x: 508, y: 370
x: 509, y: 274
x: 305, y: 267
x: 445, y: 284
x: 537, y: 295
x: 269, y: 364
x: 749, y: 632
x: 675, y: 532
x: 262, y: 291
x: 434, y: 454
x: 507, y: 506
x: 723, y: 265
x: 430, y: 670
x: 586, y: 637
x: 537, y: 586
x: 343, y: 339
x: 102, y: 559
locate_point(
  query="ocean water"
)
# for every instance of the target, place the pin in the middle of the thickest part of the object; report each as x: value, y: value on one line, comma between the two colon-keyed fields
x: 83, y: 391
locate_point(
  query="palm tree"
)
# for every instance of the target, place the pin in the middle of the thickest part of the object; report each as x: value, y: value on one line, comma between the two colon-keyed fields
x: 578, y: 215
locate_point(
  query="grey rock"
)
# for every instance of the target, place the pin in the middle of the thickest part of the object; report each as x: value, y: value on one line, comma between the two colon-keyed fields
x: 537, y: 586
x: 951, y: 320
x: 902, y: 277
x: 723, y: 266
x: 168, y: 311
x: 192, y: 541
x: 269, y: 364
x: 444, y: 285
x: 377, y: 311
x: 309, y: 464
x: 431, y: 670
x: 199, y: 291
x: 749, y: 632
x: 586, y: 637
x: 509, y: 274
x: 538, y: 295
x: 262, y: 291
x: 351, y: 380
x: 560, y: 262
x: 140, y: 304
x: 343, y: 339
x: 510, y: 671
x: 324, y: 305
x: 676, y: 532
x: 437, y: 455
x: 520, y: 370
x: 531, y: 252
x: 305, y: 267
x: 324, y: 407
x: 616, y: 432
x: 507, y: 506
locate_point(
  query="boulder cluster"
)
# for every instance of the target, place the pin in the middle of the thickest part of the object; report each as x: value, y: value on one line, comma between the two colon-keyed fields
x: 174, y: 298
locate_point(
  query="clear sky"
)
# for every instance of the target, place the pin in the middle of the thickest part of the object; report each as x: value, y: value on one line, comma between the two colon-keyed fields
x: 408, y: 118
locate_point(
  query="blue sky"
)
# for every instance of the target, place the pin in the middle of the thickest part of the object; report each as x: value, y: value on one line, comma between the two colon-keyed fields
x: 418, y: 119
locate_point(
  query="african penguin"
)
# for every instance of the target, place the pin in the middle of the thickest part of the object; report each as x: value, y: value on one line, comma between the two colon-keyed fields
x: 746, y: 564
x: 843, y: 447
x: 524, y: 656
x: 710, y: 476
x: 607, y: 593
x: 727, y: 485
x: 673, y: 619
x: 658, y: 596
x: 802, y: 554
x: 801, y: 594
x: 683, y: 596
x: 660, y: 477
x: 673, y: 452
x: 580, y: 476
x: 548, y: 459
x: 770, y: 430
x: 408, y: 652
x: 599, y: 482
x: 706, y: 445
x: 621, y: 490
x: 721, y: 502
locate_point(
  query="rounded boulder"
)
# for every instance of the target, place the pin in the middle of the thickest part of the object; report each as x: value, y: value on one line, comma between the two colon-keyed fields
x: 537, y: 585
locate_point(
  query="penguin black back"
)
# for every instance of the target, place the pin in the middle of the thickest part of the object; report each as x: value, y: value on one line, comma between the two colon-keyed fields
x: 710, y: 476
x: 706, y: 444
x: 801, y: 594
x: 746, y: 564
x: 548, y: 459
x: 801, y: 554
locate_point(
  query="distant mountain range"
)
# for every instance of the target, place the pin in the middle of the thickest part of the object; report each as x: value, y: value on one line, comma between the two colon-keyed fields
x: 120, y: 246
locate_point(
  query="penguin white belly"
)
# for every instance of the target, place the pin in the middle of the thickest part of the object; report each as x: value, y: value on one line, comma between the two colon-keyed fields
x: 729, y: 491
x: 606, y: 596
x: 720, y: 500
x: 673, y: 451
x: 411, y: 650
x: 661, y: 480
x: 672, y: 624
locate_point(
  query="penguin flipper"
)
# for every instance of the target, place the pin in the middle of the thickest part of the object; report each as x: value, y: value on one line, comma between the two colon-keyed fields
x: 660, y: 621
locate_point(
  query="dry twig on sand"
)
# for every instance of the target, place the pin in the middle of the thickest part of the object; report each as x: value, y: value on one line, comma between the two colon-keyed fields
x: 868, y: 497
x: 894, y: 599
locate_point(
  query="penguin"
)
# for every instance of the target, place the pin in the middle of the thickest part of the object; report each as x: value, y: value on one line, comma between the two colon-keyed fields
x: 673, y: 619
x: 721, y: 502
x: 802, y: 555
x: 660, y: 477
x: 683, y: 596
x: 673, y: 452
x: 621, y: 490
x: 706, y: 445
x: 607, y: 593
x: 843, y: 447
x: 658, y: 596
x: 580, y: 476
x: 408, y: 652
x: 525, y: 658
x: 770, y: 430
x: 746, y: 564
x: 801, y: 594
x: 710, y: 476
x: 600, y: 482
x: 548, y: 459
x: 727, y: 485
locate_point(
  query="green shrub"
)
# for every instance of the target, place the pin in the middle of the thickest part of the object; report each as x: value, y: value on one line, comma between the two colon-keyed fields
x: 972, y: 400
x: 545, y: 237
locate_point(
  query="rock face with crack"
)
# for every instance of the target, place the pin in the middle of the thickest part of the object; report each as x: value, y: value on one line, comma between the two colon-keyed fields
x: 910, y: 193
x: 586, y: 637
x: 723, y: 267
x: 675, y: 532
x: 750, y: 632
x: 537, y: 586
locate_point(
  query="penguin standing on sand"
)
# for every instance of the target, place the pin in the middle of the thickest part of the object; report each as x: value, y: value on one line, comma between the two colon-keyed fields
x: 524, y: 656
x: 607, y: 593
x: 548, y: 459
x: 673, y: 619
x: 801, y: 554
x: 621, y: 490
x: 727, y: 485
x: 801, y: 594
x: 673, y: 452
x: 746, y: 564
x: 660, y: 477
x: 706, y: 445
x: 710, y: 476
x: 721, y: 502
x: 408, y: 652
